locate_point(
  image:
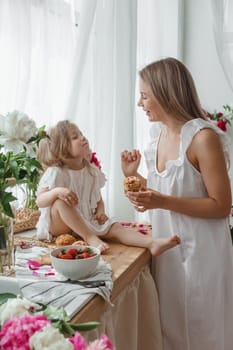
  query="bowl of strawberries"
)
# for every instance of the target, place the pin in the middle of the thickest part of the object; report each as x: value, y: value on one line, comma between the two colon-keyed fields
x: 75, y: 262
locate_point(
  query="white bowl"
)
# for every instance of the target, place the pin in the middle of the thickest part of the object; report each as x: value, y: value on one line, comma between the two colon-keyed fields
x: 75, y: 268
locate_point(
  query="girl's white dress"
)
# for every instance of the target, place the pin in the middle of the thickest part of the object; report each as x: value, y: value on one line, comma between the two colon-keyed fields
x: 194, y: 280
x: 86, y: 183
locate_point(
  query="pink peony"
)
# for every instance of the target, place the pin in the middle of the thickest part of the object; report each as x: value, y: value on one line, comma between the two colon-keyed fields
x: 79, y: 343
x: 15, y: 333
x: 102, y: 344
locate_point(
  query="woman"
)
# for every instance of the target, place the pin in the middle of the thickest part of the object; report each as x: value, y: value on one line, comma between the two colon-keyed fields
x: 188, y: 192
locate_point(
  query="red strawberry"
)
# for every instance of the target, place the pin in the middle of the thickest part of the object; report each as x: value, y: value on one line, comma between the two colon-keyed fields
x: 72, y: 251
x: 85, y: 255
x: 66, y: 256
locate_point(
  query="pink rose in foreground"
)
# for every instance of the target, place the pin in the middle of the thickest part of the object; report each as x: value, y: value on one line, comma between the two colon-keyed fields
x: 102, y: 344
x: 15, y: 333
x: 79, y: 343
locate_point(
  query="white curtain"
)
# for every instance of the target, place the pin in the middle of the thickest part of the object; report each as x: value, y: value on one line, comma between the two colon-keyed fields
x: 53, y: 67
x: 222, y: 11
x: 36, y: 45
x: 160, y: 34
x: 101, y: 95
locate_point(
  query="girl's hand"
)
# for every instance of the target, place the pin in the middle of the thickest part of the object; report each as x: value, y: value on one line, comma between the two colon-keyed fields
x: 68, y: 196
x: 101, y: 218
x: 146, y: 199
x: 130, y: 161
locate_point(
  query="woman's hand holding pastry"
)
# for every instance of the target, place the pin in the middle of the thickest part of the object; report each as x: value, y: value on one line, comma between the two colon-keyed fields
x: 145, y: 199
x: 130, y: 161
x: 68, y: 196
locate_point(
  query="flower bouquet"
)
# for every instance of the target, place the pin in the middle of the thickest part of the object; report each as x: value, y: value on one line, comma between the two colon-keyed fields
x: 7, y: 179
x: 19, y: 138
x: 221, y: 119
x: 26, y: 325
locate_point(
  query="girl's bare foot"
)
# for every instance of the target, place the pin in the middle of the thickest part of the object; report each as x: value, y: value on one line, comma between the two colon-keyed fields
x: 98, y: 243
x: 160, y: 245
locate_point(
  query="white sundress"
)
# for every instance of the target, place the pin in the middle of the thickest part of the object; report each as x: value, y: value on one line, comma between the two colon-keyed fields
x: 194, y: 280
x: 87, y: 186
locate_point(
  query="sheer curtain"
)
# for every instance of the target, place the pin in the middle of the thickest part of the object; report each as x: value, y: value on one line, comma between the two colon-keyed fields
x: 101, y: 95
x: 54, y: 68
x: 222, y: 11
x: 160, y: 34
x: 36, y: 44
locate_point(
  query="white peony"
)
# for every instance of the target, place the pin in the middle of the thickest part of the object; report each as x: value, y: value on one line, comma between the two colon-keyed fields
x: 16, y: 129
x: 15, y: 308
x: 49, y: 338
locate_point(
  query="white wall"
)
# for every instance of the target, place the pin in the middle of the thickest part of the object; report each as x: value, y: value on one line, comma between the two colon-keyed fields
x: 200, y: 56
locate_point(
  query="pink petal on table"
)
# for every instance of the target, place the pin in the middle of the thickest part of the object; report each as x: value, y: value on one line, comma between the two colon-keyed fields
x: 49, y: 274
x: 144, y: 232
x: 33, y: 265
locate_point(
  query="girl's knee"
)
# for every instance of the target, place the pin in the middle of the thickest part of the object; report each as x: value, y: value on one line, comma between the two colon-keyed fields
x: 58, y: 206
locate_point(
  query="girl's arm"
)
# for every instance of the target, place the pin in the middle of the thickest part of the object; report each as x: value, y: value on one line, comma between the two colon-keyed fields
x: 100, y: 215
x: 46, y: 197
x: 100, y: 207
x: 206, y: 154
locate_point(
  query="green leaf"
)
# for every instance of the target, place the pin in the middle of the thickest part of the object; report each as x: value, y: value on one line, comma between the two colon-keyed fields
x: 5, y: 296
x: 86, y: 326
x: 53, y: 313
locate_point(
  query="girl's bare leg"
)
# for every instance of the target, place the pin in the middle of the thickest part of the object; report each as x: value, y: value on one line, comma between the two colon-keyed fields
x: 129, y: 236
x: 65, y: 219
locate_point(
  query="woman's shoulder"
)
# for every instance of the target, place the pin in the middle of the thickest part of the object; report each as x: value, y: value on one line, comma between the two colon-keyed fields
x: 207, y: 128
x: 203, y: 133
x: 197, y: 124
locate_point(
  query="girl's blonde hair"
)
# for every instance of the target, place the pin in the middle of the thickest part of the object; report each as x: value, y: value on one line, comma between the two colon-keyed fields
x: 56, y: 148
x: 172, y: 85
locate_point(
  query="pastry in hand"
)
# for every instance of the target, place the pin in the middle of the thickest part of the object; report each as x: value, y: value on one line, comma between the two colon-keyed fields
x: 65, y: 239
x: 132, y: 183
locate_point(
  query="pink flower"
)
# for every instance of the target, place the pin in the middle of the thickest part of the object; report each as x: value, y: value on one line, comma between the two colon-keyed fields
x: 95, y: 160
x: 102, y: 344
x: 15, y: 333
x: 79, y: 343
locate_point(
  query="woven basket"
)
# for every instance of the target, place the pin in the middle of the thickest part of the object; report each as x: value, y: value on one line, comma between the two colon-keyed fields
x: 25, y: 219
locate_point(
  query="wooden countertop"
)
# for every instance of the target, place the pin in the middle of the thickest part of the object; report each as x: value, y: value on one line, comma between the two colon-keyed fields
x: 126, y: 263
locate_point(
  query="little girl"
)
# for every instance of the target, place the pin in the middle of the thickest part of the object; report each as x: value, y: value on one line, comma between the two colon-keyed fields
x: 69, y: 195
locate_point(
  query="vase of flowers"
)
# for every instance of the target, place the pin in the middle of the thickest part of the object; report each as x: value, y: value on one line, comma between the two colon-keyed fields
x: 19, y: 138
x: 7, y: 179
x: 6, y: 245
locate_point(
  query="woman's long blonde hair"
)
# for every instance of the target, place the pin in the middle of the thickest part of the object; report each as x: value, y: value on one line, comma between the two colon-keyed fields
x: 172, y: 85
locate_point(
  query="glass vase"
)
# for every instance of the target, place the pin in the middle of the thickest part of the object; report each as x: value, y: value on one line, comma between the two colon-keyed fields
x: 6, y: 245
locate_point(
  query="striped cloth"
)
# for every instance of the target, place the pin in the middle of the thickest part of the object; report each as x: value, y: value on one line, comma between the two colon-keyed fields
x: 43, y: 286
